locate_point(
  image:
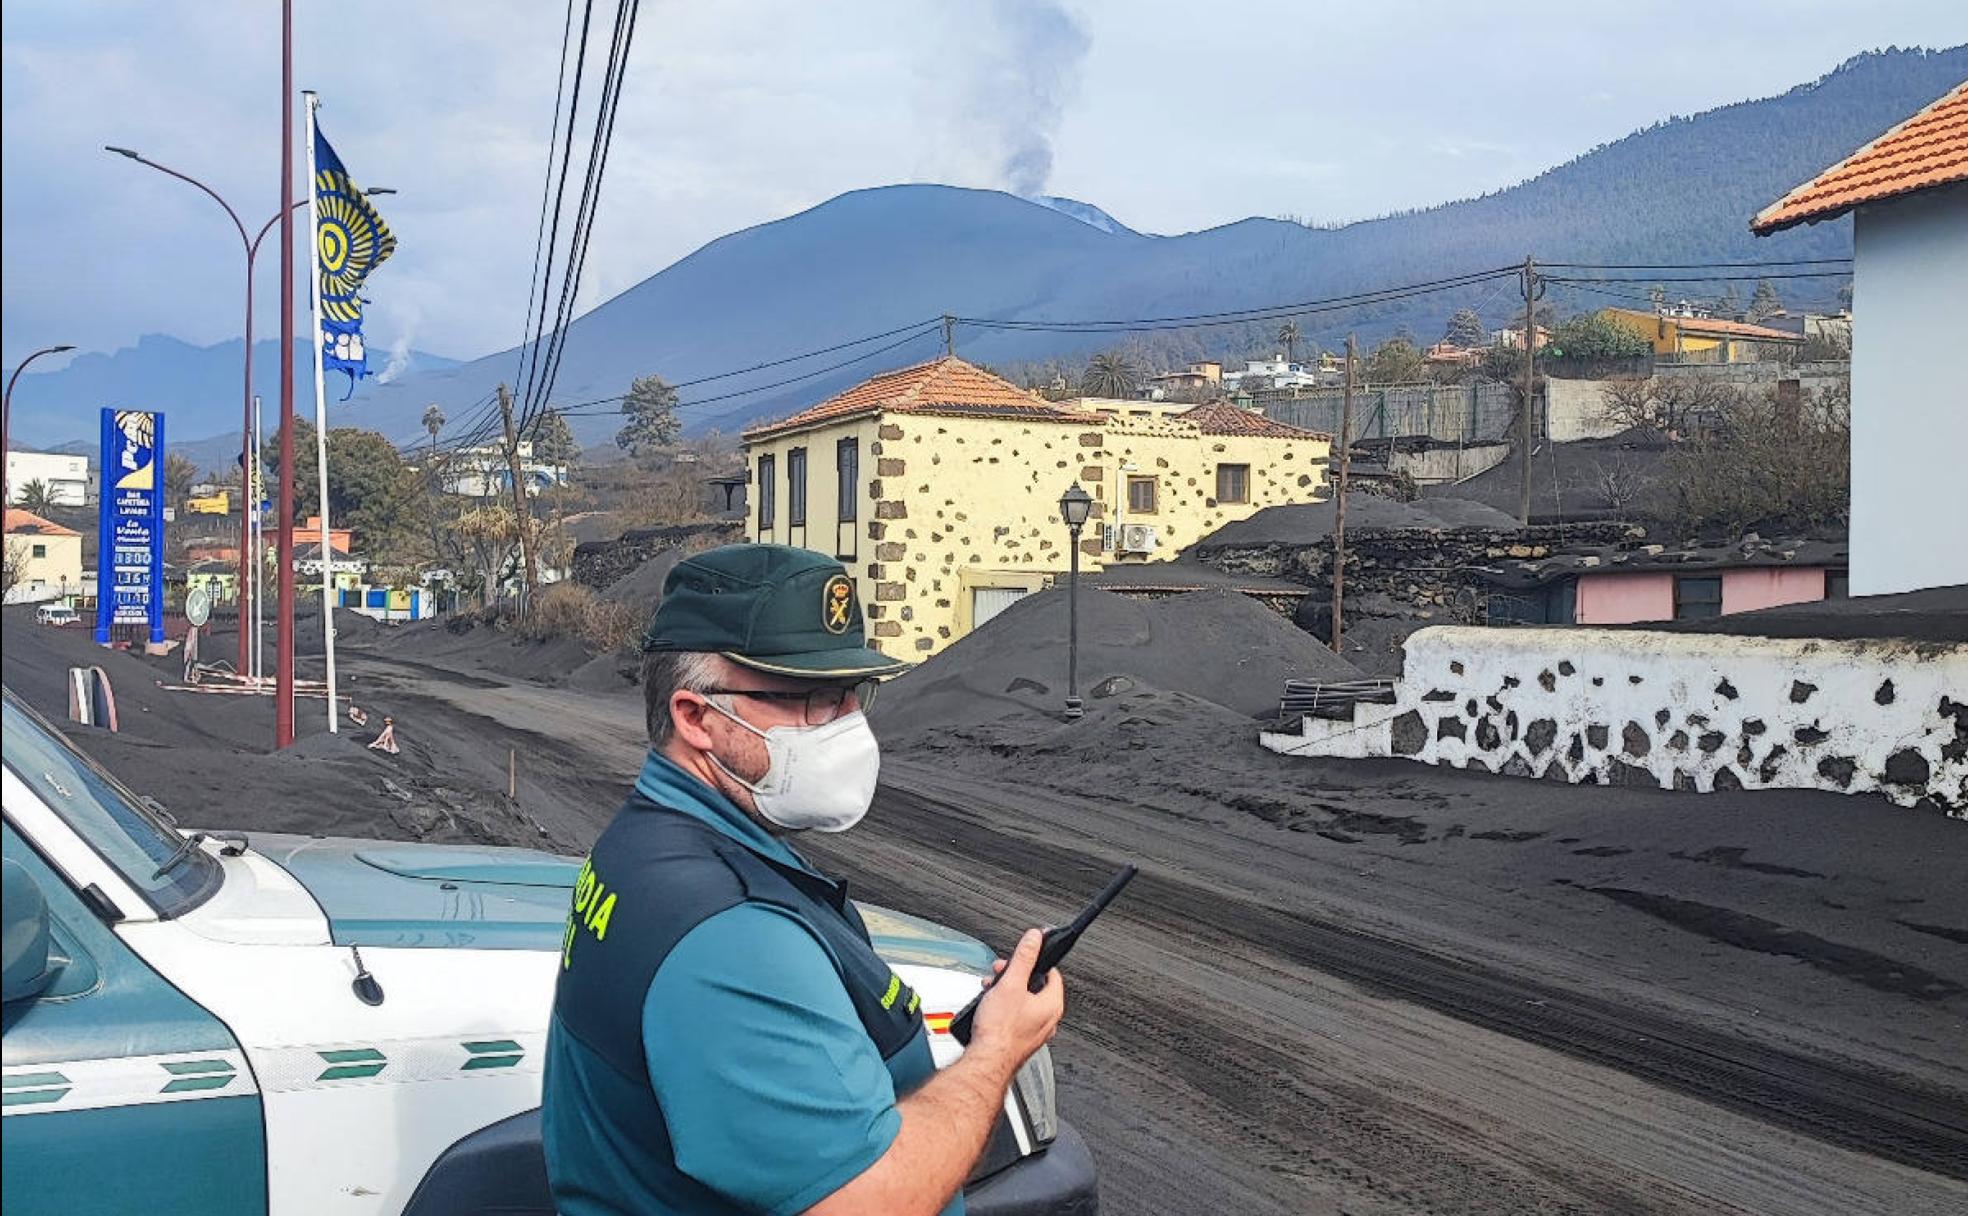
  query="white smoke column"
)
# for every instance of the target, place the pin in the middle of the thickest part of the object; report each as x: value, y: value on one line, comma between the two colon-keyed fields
x: 399, y: 358
x: 405, y: 317
x: 999, y: 89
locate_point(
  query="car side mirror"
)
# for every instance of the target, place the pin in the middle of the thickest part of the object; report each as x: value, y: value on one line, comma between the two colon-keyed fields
x: 28, y: 963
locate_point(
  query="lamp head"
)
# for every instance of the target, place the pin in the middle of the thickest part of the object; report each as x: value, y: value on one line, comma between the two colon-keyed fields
x: 1075, y: 505
x: 56, y: 350
x: 373, y: 191
x: 122, y: 152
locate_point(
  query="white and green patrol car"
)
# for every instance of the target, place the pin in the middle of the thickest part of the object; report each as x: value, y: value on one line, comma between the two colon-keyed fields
x: 196, y: 1022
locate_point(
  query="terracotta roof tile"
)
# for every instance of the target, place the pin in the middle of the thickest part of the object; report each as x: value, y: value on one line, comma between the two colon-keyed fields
x: 1701, y: 325
x: 1223, y: 418
x: 1734, y: 329
x: 941, y: 386
x: 1928, y: 149
x: 27, y: 522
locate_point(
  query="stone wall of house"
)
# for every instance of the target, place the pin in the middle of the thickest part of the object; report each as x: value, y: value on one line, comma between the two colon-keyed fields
x: 1682, y: 711
x: 597, y: 563
x: 1406, y: 573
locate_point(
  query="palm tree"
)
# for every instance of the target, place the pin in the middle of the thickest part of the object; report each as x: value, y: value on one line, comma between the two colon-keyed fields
x: 433, y: 422
x: 1288, y: 334
x: 35, y: 496
x: 1108, y: 374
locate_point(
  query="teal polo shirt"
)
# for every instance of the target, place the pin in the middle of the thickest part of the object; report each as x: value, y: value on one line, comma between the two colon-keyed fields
x: 772, y: 1094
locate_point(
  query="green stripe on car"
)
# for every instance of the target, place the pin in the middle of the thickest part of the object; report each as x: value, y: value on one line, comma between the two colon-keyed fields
x: 191, y: 1075
x: 34, y: 1088
x: 349, y: 1064
x: 492, y: 1053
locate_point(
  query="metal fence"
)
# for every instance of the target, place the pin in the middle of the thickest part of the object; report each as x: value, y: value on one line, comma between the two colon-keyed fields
x: 1467, y: 413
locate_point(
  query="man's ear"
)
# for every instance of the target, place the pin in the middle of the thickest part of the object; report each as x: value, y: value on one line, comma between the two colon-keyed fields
x: 687, y: 713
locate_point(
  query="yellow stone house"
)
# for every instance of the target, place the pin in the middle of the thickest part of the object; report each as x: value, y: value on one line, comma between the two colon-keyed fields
x: 1696, y: 339
x: 938, y: 486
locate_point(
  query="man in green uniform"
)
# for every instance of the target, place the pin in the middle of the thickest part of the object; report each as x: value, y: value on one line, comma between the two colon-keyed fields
x: 724, y: 1039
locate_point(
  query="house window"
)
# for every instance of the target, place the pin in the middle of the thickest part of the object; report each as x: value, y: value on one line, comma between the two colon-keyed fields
x: 796, y: 488
x: 1233, y: 483
x: 766, y: 488
x: 1838, y: 585
x: 1141, y: 496
x: 40, y: 551
x: 1695, y: 598
x: 847, y: 464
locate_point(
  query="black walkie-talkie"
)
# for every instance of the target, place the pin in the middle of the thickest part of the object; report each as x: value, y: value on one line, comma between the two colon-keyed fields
x: 1059, y: 940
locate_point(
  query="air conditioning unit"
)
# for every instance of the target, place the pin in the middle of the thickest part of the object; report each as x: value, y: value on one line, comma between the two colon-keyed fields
x: 1138, y: 538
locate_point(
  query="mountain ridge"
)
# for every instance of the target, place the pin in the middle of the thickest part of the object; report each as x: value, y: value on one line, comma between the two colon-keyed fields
x: 875, y: 259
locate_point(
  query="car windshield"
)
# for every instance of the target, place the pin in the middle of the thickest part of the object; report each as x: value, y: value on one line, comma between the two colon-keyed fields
x: 125, y: 832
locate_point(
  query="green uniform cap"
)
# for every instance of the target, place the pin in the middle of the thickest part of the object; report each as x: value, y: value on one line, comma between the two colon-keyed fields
x: 791, y: 612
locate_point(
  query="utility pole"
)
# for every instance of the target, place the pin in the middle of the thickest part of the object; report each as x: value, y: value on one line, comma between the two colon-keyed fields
x: 522, y: 519
x: 949, y: 334
x: 1339, y: 499
x: 283, y: 676
x: 1530, y: 395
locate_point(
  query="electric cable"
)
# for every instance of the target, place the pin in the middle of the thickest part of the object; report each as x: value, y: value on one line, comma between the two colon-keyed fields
x: 533, y: 283
x: 538, y: 327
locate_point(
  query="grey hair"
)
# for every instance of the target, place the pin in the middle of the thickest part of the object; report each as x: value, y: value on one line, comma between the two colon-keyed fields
x: 668, y: 671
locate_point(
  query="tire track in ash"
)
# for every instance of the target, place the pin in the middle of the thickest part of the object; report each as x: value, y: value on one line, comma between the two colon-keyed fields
x: 1897, y: 1121
x: 1227, y: 1118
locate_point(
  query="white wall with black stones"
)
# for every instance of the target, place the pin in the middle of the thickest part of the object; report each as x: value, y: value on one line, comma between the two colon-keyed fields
x: 1694, y: 712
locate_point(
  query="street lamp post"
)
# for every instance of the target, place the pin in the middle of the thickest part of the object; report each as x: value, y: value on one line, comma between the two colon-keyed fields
x: 7, y: 418
x: 251, y: 246
x: 1074, y: 507
x: 247, y: 508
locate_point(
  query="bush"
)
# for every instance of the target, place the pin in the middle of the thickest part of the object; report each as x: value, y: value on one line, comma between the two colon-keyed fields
x: 570, y: 610
x: 1592, y: 336
x: 1764, y: 463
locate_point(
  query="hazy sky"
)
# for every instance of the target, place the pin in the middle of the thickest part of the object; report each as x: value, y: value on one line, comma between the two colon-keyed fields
x: 1171, y: 114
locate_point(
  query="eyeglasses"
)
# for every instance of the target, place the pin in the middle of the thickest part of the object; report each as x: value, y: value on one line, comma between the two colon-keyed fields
x: 818, y: 706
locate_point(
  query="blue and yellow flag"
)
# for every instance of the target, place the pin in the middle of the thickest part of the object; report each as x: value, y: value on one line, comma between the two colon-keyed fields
x: 351, y: 240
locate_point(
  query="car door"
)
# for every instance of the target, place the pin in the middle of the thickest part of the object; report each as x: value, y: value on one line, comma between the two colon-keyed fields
x: 120, y: 1094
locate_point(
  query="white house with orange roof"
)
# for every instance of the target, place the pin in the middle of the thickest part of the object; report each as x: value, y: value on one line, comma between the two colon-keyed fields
x: 938, y: 486
x: 1908, y: 193
x: 43, y: 559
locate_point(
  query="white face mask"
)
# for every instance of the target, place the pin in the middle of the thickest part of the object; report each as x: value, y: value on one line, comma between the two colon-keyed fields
x: 818, y: 778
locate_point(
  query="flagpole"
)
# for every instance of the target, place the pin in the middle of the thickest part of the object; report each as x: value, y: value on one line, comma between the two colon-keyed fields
x: 321, y: 420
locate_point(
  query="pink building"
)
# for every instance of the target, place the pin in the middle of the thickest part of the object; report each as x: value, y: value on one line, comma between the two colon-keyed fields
x: 1626, y: 597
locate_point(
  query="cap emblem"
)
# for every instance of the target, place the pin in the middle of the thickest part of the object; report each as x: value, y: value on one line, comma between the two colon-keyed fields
x: 836, y: 601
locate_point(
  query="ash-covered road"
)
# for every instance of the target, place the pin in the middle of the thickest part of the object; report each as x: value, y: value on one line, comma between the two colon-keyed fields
x: 1226, y: 1053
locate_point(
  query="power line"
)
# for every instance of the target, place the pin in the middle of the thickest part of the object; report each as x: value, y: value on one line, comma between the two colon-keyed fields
x: 1694, y: 265
x: 537, y: 327
x: 613, y: 78
x: 922, y: 332
x: 1247, y: 315
x: 1713, y: 278
x: 913, y: 332
x: 534, y: 284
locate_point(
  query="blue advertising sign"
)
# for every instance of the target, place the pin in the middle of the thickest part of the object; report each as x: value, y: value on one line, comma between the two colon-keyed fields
x: 130, y: 537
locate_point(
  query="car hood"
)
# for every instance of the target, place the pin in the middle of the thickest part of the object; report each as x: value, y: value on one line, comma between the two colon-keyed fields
x: 487, y: 897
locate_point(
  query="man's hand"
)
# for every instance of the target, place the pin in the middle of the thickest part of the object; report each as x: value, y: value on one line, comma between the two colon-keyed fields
x: 1012, y: 1021
x: 945, y: 1123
